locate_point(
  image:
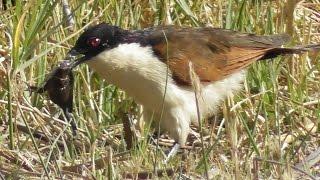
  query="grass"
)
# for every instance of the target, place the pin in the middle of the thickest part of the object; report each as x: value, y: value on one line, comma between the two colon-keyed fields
x: 261, y: 132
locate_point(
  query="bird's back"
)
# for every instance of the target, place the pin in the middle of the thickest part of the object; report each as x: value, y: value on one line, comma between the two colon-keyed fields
x: 215, y: 53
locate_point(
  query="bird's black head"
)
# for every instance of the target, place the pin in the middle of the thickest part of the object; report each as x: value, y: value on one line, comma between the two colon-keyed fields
x: 97, y: 39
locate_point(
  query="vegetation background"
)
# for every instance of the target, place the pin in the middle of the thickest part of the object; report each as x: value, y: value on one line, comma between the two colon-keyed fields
x: 266, y: 131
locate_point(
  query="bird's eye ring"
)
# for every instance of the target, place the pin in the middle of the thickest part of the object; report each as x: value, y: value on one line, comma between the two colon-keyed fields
x: 94, y: 42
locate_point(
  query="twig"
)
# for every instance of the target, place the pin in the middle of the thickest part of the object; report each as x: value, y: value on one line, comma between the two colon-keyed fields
x: 238, y: 105
x: 7, y: 171
x: 38, y: 134
x: 13, y: 157
x: 310, y: 160
x: 197, y: 94
x: 75, y: 174
x: 128, y: 131
x: 110, y: 165
x: 36, y: 111
x: 34, y: 142
x: 41, y: 114
x: 255, y: 170
x: 283, y: 164
x: 170, y: 144
x: 68, y: 14
x: 150, y: 175
x: 1, y: 176
x: 162, y: 105
x: 289, y: 13
x: 99, y: 163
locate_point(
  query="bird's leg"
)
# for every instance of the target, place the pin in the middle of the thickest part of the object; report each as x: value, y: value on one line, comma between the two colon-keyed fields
x: 174, y: 150
x: 69, y: 118
x: 178, y: 129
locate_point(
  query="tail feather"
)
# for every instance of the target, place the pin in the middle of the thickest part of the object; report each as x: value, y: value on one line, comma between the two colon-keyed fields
x: 272, y: 53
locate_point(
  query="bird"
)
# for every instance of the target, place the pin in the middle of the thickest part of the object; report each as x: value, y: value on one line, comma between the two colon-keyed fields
x: 153, y: 66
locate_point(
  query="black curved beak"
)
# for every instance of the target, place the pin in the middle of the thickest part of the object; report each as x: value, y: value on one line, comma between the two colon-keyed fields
x: 72, y: 54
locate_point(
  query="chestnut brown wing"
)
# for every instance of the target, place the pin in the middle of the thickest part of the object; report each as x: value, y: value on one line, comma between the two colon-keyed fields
x: 214, y: 53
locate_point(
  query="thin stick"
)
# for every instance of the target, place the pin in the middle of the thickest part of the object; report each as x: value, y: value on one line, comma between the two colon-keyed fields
x: 36, y: 111
x: 196, y: 86
x: 283, y: 164
x: 9, y: 107
x: 169, y: 172
x: 129, y: 133
x: 34, y: 142
x: 162, y: 105
x: 100, y: 163
x: 310, y: 160
x: 68, y: 14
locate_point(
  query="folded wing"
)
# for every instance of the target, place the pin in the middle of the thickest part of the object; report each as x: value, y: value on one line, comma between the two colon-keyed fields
x: 214, y: 53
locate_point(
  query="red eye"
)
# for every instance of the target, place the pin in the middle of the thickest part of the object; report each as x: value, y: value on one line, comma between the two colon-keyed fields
x: 94, y: 42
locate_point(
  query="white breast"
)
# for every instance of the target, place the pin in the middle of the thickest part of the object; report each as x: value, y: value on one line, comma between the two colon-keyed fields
x: 135, y: 70
x: 143, y: 76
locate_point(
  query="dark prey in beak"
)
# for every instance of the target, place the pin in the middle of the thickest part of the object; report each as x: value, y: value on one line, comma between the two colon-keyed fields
x: 59, y: 86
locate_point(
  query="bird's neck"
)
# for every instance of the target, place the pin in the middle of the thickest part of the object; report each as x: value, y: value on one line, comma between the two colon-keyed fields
x: 127, y: 36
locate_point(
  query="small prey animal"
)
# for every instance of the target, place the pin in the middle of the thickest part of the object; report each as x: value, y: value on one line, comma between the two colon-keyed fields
x: 153, y: 66
x: 59, y: 86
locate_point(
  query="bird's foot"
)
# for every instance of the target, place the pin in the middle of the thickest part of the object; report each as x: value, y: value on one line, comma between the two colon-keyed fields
x: 172, y: 152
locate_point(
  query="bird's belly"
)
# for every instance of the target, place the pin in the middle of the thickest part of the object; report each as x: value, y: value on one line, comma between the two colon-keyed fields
x: 151, y: 87
x: 147, y: 83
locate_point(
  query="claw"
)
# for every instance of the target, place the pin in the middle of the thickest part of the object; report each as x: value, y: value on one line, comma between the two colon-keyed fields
x: 172, y: 152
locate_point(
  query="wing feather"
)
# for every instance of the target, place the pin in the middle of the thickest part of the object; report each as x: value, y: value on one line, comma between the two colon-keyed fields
x: 214, y: 53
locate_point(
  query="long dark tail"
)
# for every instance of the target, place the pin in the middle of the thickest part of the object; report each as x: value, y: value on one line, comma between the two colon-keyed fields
x: 272, y: 53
